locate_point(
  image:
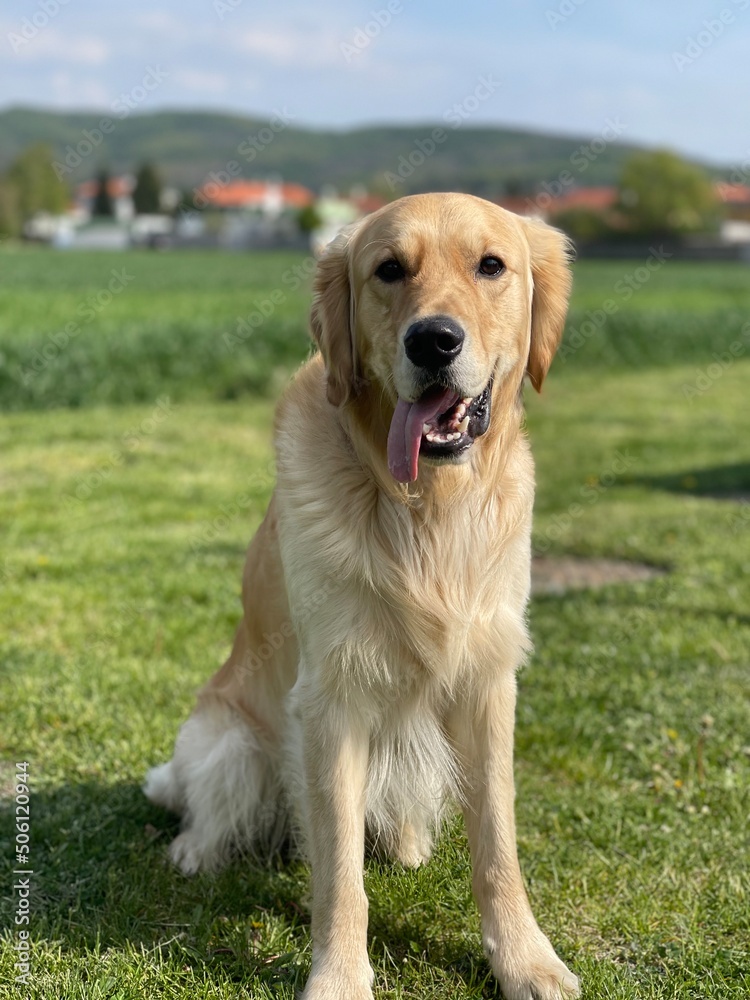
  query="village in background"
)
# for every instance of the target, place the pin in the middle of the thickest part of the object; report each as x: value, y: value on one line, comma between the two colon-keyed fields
x: 658, y: 195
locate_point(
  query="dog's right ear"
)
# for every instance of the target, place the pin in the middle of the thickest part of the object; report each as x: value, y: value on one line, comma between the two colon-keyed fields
x: 332, y: 318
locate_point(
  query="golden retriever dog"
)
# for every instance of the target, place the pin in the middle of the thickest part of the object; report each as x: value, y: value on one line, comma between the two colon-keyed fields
x: 372, y: 679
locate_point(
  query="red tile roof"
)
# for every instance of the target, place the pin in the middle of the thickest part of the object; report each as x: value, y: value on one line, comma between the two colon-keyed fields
x: 244, y: 193
x: 737, y: 194
x: 117, y: 187
x: 367, y: 203
x: 597, y: 199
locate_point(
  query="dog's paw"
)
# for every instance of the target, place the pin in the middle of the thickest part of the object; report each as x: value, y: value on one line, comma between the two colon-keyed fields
x: 190, y: 855
x: 318, y: 988
x: 414, y: 847
x: 529, y: 969
x: 335, y: 991
x: 345, y: 984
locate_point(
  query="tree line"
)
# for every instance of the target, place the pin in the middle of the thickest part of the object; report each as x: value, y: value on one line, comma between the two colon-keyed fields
x: 31, y: 186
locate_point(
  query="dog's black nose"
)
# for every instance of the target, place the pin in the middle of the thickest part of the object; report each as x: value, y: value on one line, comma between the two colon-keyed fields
x: 434, y: 342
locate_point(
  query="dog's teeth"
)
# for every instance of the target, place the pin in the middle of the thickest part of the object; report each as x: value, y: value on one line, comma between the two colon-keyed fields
x: 464, y: 425
x: 431, y: 436
x: 468, y: 400
x: 426, y: 429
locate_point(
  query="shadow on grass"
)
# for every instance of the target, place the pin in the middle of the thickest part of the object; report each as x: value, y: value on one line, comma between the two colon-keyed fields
x: 102, y: 880
x: 724, y: 482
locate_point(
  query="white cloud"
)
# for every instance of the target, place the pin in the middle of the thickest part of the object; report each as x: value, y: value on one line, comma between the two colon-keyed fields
x: 52, y: 44
x: 291, y: 49
x: 160, y: 26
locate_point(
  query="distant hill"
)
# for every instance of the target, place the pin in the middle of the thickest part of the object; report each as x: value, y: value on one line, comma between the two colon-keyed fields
x: 188, y: 146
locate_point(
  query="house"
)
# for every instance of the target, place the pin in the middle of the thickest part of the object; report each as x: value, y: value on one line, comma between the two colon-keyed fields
x: 120, y: 190
x: 544, y: 204
x: 253, y: 213
x: 269, y: 198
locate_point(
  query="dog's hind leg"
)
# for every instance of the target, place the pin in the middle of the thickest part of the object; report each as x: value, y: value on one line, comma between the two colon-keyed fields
x: 223, y: 783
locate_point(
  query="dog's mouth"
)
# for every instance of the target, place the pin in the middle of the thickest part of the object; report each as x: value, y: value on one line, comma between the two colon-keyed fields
x: 441, y: 425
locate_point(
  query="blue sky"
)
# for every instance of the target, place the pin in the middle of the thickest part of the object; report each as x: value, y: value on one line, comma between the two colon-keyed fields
x: 675, y: 72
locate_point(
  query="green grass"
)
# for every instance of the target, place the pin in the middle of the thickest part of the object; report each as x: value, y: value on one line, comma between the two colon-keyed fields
x: 125, y: 528
x: 91, y: 328
x: 218, y: 326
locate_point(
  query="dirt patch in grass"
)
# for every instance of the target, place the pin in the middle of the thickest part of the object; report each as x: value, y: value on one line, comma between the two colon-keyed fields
x: 555, y: 575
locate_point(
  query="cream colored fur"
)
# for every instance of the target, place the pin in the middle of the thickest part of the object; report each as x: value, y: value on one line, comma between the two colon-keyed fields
x: 372, y: 680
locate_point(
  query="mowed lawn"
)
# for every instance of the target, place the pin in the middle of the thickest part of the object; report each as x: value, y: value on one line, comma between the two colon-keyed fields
x: 126, y: 508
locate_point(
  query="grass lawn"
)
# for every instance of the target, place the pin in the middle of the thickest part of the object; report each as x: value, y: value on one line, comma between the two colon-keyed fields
x: 125, y: 524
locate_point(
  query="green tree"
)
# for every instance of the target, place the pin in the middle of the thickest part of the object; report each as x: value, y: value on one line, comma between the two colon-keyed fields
x: 308, y: 218
x: 147, y: 191
x: 103, y: 206
x: 661, y: 194
x: 583, y: 224
x: 10, y: 216
x: 36, y: 185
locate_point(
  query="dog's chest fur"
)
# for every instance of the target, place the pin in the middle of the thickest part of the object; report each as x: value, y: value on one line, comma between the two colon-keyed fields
x: 415, y: 593
x: 414, y: 596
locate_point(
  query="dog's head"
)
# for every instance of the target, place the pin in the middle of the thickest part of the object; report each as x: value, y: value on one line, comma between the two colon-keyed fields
x: 436, y: 301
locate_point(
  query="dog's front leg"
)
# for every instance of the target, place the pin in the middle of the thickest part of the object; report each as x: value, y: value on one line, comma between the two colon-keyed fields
x: 335, y: 755
x: 520, y: 955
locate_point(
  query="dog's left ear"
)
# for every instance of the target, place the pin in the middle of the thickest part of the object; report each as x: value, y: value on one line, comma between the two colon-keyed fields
x: 332, y: 318
x: 551, y: 256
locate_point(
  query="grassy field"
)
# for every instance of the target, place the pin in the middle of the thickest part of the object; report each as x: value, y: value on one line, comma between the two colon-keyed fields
x: 136, y: 466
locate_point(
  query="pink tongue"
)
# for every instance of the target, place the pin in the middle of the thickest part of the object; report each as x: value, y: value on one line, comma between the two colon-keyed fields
x: 405, y: 434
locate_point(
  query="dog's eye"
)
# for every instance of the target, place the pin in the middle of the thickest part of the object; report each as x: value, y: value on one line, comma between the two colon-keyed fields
x: 390, y: 271
x: 491, y: 266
